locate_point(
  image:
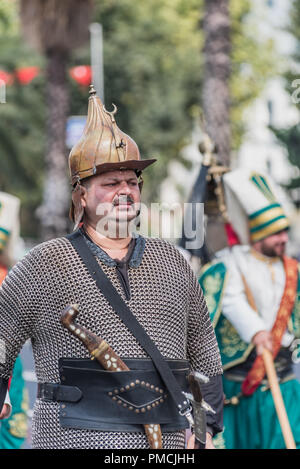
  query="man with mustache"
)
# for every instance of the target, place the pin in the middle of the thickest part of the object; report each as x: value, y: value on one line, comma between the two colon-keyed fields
x: 252, y: 289
x: 80, y: 404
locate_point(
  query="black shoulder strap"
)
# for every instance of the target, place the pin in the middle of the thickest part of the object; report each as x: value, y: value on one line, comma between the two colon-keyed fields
x: 130, y: 321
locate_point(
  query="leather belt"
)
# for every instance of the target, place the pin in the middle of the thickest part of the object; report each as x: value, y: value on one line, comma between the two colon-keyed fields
x: 58, y: 392
x: 95, y: 399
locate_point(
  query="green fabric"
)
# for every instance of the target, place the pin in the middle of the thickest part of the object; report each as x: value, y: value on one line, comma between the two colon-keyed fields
x: 263, y: 186
x: 294, y: 323
x: 232, y: 348
x: 13, y: 430
x: 253, y: 423
x: 262, y: 210
x: 212, y: 280
x: 264, y: 225
x: 3, y: 230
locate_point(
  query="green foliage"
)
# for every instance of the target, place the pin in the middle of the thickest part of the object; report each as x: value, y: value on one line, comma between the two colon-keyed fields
x: 294, y: 23
x: 253, y: 63
x: 153, y: 74
x: 153, y: 71
x: 9, y: 22
x: 292, y: 72
x: 21, y: 125
x: 289, y: 138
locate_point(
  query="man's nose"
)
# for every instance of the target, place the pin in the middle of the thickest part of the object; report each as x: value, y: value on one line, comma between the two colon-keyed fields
x: 284, y: 236
x: 124, y: 188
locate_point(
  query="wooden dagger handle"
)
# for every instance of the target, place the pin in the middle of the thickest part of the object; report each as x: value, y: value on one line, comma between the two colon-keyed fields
x: 105, y: 355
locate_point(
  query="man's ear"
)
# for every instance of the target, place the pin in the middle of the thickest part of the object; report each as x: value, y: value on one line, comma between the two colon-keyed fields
x: 83, y: 193
x: 140, y: 183
x: 78, y: 204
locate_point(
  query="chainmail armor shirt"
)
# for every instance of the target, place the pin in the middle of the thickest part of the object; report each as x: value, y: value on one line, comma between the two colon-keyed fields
x: 165, y: 297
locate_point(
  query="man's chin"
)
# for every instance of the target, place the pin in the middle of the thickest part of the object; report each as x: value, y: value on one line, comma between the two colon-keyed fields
x: 123, y: 215
x: 121, y: 226
x: 281, y: 253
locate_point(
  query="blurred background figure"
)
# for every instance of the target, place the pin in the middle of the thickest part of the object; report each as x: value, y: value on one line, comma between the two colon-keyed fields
x: 13, y: 430
x: 252, y: 291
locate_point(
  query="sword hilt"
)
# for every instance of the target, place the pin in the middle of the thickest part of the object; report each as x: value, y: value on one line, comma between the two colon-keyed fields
x: 200, y: 407
x: 98, y: 347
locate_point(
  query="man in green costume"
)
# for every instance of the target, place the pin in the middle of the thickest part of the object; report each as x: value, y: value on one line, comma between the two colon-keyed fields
x: 13, y: 430
x: 252, y: 291
x: 13, y: 418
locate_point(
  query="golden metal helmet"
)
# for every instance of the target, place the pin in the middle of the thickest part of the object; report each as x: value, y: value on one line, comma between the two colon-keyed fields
x: 103, y: 146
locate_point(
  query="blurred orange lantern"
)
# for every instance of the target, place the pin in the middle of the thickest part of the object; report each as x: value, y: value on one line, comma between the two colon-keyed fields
x: 6, y: 78
x: 26, y: 74
x: 82, y: 74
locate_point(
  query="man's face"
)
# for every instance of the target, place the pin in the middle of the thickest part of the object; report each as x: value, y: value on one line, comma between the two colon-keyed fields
x: 274, y: 245
x: 112, y: 197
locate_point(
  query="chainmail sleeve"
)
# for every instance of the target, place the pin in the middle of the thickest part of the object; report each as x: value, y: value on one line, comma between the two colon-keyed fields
x: 19, y: 295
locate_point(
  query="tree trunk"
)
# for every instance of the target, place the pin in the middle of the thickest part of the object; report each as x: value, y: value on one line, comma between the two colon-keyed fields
x: 216, y: 99
x: 56, y: 198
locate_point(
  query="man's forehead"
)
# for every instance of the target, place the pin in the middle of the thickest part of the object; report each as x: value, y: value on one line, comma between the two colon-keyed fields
x: 119, y: 174
x: 274, y: 236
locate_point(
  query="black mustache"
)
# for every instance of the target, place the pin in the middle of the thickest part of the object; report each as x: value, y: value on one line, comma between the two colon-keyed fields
x: 123, y: 199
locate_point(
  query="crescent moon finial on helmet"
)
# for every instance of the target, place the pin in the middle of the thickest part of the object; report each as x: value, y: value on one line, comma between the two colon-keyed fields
x: 111, y: 113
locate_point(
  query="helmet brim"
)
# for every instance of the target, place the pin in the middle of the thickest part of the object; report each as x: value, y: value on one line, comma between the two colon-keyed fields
x: 135, y: 165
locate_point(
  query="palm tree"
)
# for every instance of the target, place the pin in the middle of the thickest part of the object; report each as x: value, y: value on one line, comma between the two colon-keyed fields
x: 215, y: 93
x: 55, y: 27
x: 216, y: 104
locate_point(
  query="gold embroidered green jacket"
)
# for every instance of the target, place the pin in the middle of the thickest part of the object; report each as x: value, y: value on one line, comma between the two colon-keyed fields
x: 234, y: 350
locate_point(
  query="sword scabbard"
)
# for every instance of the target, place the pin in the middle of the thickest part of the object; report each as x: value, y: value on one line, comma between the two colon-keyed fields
x: 199, y: 412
